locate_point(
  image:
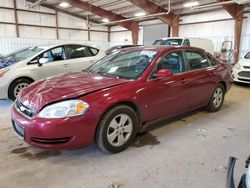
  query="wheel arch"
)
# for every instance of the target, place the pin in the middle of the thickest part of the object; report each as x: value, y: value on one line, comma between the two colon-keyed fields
x: 20, y: 77
x: 128, y: 103
x: 224, y: 84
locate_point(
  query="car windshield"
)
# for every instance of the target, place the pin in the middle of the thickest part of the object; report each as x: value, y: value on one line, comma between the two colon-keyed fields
x: 169, y: 42
x: 19, y: 56
x: 124, y: 64
x: 23, y: 54
x: 247, y: 56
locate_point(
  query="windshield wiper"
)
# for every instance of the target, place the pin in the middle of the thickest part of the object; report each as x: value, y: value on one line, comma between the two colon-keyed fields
x: 107, y: 74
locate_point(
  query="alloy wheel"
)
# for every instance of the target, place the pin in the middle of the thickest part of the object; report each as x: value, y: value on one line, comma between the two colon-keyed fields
x: 19, y: 87
x: 218, y: 97
x: 119, y: 130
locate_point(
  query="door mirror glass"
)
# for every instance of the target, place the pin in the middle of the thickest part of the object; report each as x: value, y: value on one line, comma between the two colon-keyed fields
x: 42, y: 61
x: 164, y: 73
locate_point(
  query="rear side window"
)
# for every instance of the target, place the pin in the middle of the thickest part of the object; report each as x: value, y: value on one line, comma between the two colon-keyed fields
x: 212, y: 60
x: 186, y: 42
x: 196, y: 60
x: 77, y: 51
x: 94, y: 51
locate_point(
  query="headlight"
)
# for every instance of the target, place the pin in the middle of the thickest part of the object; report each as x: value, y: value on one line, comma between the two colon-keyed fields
x: 237, y: 66
x: 64, y: 109
x: 3, y: 71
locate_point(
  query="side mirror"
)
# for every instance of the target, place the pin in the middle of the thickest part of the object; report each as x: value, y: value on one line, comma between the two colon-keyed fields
x: 42, y: 61
x: 163, y: 73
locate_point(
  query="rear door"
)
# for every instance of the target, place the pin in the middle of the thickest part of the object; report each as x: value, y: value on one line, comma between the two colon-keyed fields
x: 167, y: 96
x: 200, y: 78
x: 80, y: 57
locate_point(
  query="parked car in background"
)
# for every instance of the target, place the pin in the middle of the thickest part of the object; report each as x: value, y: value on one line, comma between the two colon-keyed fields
x: 118, y: 97
x: 205, y: 44
x: 116, y: 48
x: 241, y: 70
x: 25, y: 66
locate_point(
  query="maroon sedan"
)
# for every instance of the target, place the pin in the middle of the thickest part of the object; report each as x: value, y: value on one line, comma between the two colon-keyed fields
x: 117, y: 97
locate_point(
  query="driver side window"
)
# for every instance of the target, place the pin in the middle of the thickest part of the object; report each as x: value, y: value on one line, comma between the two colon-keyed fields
x: 173, y: 61
x: 56, y: 54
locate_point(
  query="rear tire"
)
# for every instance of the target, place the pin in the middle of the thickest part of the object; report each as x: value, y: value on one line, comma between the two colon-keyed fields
x: 117, y: 129
x: 217, y: 99
x: 16, y: 86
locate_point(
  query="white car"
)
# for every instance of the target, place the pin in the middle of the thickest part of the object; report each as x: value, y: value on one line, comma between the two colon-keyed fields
x: 23, y: 67
x: 205, y: 44
x: 241, y: 71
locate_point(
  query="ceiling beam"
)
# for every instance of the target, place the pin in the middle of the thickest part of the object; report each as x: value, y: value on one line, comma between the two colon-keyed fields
x: 171, y: 19
x: 130, y: 25
x: 64, y: 11
x: 233, y: 9
x: 153, y: 8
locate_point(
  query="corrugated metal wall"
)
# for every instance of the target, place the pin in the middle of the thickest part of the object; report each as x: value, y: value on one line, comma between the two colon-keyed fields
x: 216, y: 31
x: 35, y: 29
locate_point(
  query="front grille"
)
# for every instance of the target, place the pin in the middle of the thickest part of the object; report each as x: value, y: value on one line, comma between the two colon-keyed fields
x: 245, y: 80
x: 244, y: 73
x: 246, y: 67
x: 50, y: 140
x: 22, y: 109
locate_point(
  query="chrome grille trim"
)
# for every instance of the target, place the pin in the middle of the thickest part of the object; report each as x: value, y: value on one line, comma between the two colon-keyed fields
x: 24, y: 110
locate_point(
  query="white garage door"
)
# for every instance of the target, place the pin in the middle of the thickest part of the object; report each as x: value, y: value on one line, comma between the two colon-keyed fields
x: 152, y: 32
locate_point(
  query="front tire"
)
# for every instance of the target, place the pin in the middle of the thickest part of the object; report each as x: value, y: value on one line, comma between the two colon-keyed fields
x: 117, y: 129
x: 217, y: 99
x: 16, y: 86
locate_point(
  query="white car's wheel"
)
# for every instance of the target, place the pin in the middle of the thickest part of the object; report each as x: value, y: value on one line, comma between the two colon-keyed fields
x: 16, y: 86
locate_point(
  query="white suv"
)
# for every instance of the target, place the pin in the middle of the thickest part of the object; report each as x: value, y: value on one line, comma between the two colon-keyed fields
x: 23, y: 67
x: 241, y: 71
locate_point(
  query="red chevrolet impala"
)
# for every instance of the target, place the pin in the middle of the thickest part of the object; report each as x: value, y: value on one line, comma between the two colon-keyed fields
x: 117, y: 97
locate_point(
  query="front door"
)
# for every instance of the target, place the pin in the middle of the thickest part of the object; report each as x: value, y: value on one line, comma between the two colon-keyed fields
x: 167, y: 96
x: 79, y: 57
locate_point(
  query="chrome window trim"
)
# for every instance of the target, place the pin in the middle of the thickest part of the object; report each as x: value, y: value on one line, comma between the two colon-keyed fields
x: 187, y: 68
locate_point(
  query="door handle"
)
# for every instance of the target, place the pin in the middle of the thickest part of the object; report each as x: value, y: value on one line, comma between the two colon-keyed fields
x: 65, y: 65
x: 183, y: 80
x: 211, y: 73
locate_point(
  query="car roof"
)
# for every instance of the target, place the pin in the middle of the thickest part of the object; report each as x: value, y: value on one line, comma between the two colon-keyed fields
x: 162, y: 48
x: 55, y: 45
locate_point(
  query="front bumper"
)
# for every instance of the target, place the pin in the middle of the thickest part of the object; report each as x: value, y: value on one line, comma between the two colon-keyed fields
x: 239, y: 77
x: 67, y: 133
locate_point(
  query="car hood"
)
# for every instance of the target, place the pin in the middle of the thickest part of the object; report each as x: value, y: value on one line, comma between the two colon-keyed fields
x: 244, y: 62
x: 6, y: 63
x: 63, y: 87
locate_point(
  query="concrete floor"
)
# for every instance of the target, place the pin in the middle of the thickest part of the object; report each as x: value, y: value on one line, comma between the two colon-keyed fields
x: 191, y: 151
